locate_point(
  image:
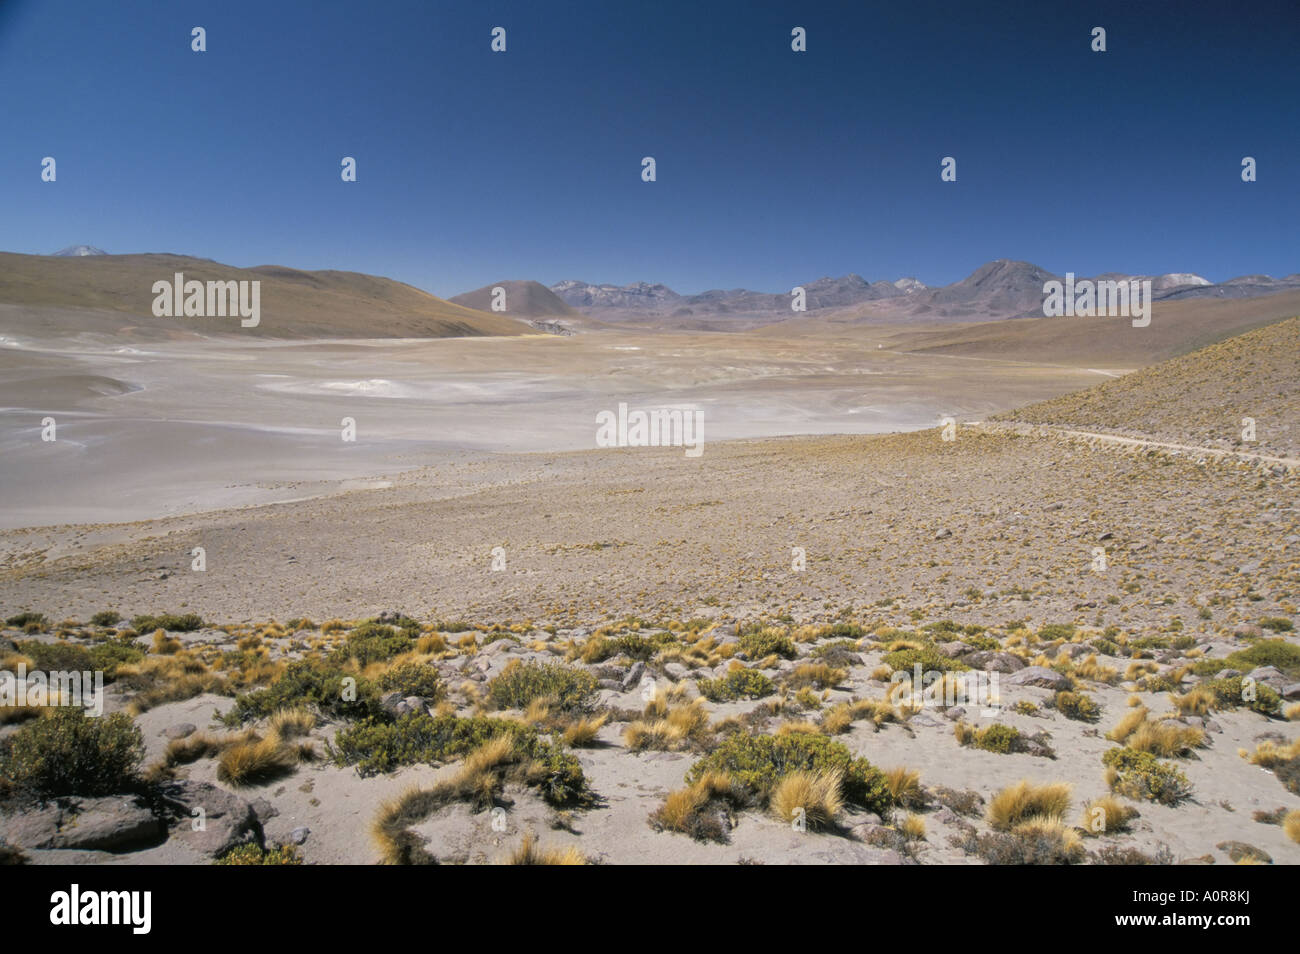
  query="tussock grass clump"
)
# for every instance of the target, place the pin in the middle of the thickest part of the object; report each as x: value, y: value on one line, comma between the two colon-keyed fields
x: 904, y: 786
x: 1140, y: 775
x: 738, y: 683
x: 169, y: 678
x: 254, y: 760
x: 1282, y: 760
x: 530, y: 853
x: 1025, y: 800
x: 1270, y: 755
x: 70, y: 753
x: 815, y: 676
x: 1128, y: 725
x: 291, y: 723
x: 569, y: 690
x: 164, y: 645
x: 913, y: 827
x: 1163, y: 737
x: 840, y: 717
x: 1093, y: 671
x: 1106, y: 815
x: 581, y: 732
x: 677, y: 727
x: 1197, y: 701
x: 757, y: 763
x: 702, y: 810
x: 1166, y: 739
x: 390, y: 831
x: 1291, y: 824
x: 811, y: 797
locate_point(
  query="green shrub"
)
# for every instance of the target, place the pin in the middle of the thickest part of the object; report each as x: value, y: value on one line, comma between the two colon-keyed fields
x: 1279, y: 624
x: 761, y: 643
x: 570, y: 690
x: 998, y: 737
x: 1076, y: 705
x: 1105, y: 646
x: 27, y: 618
x: 758, y: 762
x: 309, y: 682
x: 102, y: 657
x: 1051, y: 631
x: 55, y: 657
x: 375, y: 747
x: 251, y: 854
x: 412, y: 679
x: 846, y: 631
x: 1268, y: 652
x: 736, y: 684
x: 1141, y: 775
x: 374, y: 642
x: 929, y: 658
x: 1228, y: 695
x: 171, y: 622
x: 70, y: 753
x: 106, y: 618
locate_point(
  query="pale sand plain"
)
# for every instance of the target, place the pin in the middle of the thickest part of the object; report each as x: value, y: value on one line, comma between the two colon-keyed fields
x: 993, y: 529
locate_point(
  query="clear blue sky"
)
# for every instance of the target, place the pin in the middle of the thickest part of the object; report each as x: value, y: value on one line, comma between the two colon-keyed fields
x: 773, y: 167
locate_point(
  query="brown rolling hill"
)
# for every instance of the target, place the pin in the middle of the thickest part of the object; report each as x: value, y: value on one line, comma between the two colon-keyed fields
x: 1199, y: 398
x: 294, y: 304
x: 525, y: 299
x: 1177, y: 327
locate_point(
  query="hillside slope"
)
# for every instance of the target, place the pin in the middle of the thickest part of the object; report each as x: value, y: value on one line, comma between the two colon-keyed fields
x: 294, y: 304
x: 522, y: 299
x: 1199, y: 398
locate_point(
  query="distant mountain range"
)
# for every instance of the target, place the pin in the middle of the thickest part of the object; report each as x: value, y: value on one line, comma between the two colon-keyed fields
x: 79, y: 251
x: 999, y: 289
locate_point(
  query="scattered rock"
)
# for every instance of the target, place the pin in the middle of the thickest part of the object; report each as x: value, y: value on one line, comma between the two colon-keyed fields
x: 112, y: 823
x: 633, y: 677
x: 224, y: 819
x: 1040, y: 677
x: 299, y: 835
x: 991, y: 660
x: 180, y: 731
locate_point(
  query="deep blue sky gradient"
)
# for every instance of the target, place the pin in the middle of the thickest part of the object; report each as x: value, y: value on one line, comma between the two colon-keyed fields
x: 774, y: 167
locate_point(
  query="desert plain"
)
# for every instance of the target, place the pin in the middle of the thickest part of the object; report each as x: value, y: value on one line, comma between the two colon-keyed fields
x: 559, y: 652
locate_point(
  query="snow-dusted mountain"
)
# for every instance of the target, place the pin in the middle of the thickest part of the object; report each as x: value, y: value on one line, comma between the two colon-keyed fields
x: 79, y: 251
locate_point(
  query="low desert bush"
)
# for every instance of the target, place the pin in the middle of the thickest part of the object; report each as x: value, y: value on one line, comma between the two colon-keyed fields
x: 176, y: 623
x: 250, y: 854
x: 1076, y: 705
x: 70, y: 753
x: 757, y: 763
x: 1140, y: 775
x: 738, y: 683
x: 566, y: 689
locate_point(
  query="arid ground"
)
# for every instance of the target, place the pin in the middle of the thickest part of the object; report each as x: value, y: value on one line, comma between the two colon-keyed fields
x: 613, y: 626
